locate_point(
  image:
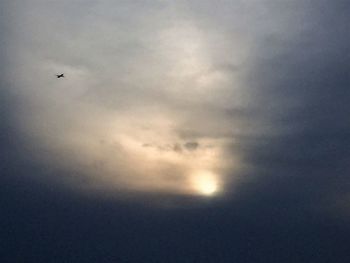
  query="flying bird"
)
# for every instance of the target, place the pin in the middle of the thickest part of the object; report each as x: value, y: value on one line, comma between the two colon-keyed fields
x: 60, y: 76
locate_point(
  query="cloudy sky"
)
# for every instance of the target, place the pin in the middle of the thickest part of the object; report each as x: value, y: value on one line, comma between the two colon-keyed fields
x: 183, y: 131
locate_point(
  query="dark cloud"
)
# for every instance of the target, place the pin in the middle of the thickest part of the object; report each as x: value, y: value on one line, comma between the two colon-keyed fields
x: 177, y: 147
x: 303, y: 93
x: 191, y: 146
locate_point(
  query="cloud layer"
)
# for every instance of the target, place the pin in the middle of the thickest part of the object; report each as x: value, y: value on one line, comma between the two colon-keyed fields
x: 160, y: 96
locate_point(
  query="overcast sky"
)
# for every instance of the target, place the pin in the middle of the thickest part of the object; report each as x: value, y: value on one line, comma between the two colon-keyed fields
x: 226, y: 121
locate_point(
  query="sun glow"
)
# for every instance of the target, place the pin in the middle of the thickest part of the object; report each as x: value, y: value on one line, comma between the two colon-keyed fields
x: 205, y: 183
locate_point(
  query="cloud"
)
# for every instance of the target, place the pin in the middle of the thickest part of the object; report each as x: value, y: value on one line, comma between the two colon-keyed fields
x: 245, y: 90
x: 191, y: 146
x: 301, y: 92
x: 218, y: 129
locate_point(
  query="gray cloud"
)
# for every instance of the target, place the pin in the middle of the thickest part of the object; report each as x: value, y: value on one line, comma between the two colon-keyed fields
x: 263, y: 83
x: 191, y: 146
x: 212, y: 132
x: 303, y: 93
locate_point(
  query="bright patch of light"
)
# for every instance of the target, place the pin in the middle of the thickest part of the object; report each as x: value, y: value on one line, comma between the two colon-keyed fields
x: 205, y: 183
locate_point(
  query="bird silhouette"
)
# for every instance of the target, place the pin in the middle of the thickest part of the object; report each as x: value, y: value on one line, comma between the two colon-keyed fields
x: 60, y: 76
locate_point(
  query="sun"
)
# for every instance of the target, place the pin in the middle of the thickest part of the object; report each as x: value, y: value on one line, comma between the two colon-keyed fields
x: 205, y: 183
x: 207, y: 187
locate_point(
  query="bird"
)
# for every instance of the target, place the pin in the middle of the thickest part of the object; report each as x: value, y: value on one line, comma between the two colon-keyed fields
x: 60, y: 76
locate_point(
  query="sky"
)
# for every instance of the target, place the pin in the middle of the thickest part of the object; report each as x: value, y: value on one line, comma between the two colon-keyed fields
x: 182, y: 131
